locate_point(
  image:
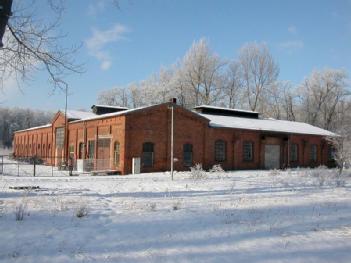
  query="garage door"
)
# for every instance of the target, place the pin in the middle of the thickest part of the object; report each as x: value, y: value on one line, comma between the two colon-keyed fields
x: 272, y: 156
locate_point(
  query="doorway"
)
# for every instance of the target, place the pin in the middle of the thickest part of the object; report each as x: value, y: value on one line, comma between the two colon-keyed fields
x: 103, y: 154
x: 272, y: 156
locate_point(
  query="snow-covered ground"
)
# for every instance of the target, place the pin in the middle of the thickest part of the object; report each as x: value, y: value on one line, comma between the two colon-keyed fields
x: 242, y: 216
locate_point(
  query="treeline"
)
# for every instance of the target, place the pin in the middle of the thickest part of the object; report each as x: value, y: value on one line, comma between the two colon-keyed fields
x: 14, y: 119
x: 249, y: 81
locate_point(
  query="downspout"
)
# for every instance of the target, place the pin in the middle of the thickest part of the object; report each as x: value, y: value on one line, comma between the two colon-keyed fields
x: 288, y: 153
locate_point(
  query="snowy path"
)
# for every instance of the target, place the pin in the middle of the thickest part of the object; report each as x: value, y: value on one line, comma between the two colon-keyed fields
x: 246, y: 216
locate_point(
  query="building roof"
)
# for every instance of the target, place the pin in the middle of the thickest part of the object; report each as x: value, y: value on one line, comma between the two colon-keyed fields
x: 37, y: 127
x: 109, y: 106
x: 78, y: 115
x: 113, y: 114
x: 270, y: 125
x: 203, y: 106
x: 213, y: 110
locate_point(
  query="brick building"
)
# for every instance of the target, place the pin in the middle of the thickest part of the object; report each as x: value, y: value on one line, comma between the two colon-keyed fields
x: 109, y: 138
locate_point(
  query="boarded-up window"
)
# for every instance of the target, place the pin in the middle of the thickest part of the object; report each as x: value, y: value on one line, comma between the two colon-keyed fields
x: 148, y: 154
x: 294, y: 152
x: 60, y: 135
x: 248, y: 151
x: 220, y: 151
x: 116, y: 153
x: 313, y: 153
x: 188, y: 154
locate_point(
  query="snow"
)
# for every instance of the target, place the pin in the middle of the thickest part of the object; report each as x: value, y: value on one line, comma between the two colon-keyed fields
x: 109, y: 106
x: 265, y: 125
x: 113, y: 114
x: 37, y: 127
x: 221, y: 108
x: 78, y: 115
x: 242, y: 216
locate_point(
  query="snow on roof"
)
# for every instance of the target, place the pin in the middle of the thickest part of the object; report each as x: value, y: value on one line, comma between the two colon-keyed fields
x: 221, y: 108
x: 109, y: 106
x: 37, y: 127
x: 78, y: 115
x: 265, y: 125
x: 113, y: 114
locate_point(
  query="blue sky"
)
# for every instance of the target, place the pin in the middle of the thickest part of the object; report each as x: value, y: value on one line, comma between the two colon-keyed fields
x: 124, y: 45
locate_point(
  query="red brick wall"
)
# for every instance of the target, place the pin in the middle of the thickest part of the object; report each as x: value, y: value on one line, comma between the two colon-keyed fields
x: 153, y: 124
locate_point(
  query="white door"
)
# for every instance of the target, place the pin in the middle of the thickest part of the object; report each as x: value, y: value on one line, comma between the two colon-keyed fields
x: 272, y: 156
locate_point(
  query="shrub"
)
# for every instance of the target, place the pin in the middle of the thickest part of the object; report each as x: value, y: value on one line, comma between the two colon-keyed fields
x: 274, y: 172
x: 176, y: 205
x: 217, y: 168
x: 197, y: 172
x: 152, y: 206
x: 81, y: 211
x: 20, y: 211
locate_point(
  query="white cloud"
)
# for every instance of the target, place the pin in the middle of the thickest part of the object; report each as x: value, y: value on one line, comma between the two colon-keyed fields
x: 291, y: 46
x: 292, y: 29
x: 97, y: 43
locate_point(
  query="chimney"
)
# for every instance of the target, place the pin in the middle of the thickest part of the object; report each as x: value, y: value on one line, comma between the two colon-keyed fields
x: 173, y: 100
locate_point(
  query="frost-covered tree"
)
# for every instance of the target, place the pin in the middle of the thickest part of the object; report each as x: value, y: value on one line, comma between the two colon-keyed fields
x: 199, y: 73
x: 232, y: 85
x: 117, y: 96
x: 259, y: 72
x: 280, y: 101
x: 14, y: 119
x: 323, y: 97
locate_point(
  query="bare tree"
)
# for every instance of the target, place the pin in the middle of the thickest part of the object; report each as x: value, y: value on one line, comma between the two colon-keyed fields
x: 199, y: 71
x: 259, y: 72
x: 232, y: 85
x: 323, y: 93
x: 118, y: 96
x: 280, y: 101
x: 342, y: 147
x: 32, y: 43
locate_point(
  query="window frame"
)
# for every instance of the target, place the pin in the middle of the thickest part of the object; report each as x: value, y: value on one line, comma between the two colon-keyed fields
x: 146, y: 152
x: 71, y: 151
x: 220, y: 148
x: 188, y: 162
x: 116, y: 161
x: 91, y: 145
x: 313, y: 153
x: 251, y: 144
x: 296, y: 158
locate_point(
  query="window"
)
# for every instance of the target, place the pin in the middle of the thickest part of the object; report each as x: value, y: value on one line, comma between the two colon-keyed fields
x: 293, y: 152
x: 313, y: 153
x: 220, y: 151
x: 188, y: 154
x: 71, y: 151
x: 148, y: 154
x: 248, y: 151
x: 331, y: 153
x: 44, y: 150
x: 116, y: 153
x: 91, y: 149
x: 60, y: 135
